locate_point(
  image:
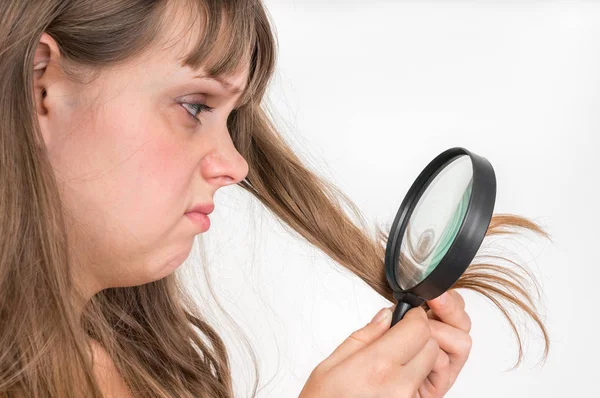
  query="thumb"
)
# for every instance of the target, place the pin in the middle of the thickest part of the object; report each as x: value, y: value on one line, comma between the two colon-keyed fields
x: 361, y: 338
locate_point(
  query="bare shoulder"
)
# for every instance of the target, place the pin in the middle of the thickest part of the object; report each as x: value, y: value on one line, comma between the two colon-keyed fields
x: 107, y: 375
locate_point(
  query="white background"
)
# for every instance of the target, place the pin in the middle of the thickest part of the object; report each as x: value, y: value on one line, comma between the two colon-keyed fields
x: 368, y: 93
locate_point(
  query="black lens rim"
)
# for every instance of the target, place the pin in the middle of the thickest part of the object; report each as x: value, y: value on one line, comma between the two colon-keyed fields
x: 470, y: 234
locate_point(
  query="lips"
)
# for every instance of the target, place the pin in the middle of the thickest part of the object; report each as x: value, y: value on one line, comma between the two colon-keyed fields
x: 205, y: 208
x: 200, y: 219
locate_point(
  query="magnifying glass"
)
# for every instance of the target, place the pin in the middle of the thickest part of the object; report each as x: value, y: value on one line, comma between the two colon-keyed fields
x: 439, y: 227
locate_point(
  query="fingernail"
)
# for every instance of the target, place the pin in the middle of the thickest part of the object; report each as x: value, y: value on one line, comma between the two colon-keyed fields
x: 442, y: 298
x: 383, y: 315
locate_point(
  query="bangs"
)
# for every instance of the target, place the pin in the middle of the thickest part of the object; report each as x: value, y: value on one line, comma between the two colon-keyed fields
x: 222, y: 38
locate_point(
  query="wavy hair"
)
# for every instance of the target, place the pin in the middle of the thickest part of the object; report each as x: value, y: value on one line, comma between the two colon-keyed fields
x: 159, y: 340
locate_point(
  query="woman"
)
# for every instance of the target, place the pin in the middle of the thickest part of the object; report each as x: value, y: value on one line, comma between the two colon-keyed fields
x: 119, y: 121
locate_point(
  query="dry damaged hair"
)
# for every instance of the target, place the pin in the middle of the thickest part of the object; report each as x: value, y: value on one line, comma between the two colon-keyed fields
x: 159, y: 340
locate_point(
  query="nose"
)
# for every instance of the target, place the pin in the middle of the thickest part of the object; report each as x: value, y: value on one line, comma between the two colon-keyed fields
x: 223, y: 164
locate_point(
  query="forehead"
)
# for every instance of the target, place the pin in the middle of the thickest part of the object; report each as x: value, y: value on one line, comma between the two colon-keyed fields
x: 180, y: 32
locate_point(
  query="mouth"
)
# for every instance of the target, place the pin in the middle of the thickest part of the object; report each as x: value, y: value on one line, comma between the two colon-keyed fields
x: 200, y: 219
x: 203, y: 208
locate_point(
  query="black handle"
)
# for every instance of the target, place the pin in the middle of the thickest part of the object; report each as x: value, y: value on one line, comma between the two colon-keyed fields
x: 401, y: 310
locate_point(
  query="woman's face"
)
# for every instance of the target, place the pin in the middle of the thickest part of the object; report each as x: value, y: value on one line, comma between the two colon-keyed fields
x: 131, y: 160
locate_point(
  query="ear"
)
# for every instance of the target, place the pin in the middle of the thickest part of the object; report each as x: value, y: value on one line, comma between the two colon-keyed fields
x: 45, y: 61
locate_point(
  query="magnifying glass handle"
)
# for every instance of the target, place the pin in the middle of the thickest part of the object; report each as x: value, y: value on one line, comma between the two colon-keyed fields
x: 401, y: 310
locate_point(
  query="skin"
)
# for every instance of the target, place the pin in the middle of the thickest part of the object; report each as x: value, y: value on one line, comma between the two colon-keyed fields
x: 419, y: 357
x: 450, y: 326
x: 130, y: 160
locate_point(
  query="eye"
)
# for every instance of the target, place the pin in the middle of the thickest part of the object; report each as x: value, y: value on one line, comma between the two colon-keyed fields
x: 195, y: 109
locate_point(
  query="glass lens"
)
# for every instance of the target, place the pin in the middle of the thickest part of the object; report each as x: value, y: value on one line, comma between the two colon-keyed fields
x: 435, y: 222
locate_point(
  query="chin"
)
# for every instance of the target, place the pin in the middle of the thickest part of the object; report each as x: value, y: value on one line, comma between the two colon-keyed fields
x: 175, y: 262
x: 165, y: 266
x: 162, y: 273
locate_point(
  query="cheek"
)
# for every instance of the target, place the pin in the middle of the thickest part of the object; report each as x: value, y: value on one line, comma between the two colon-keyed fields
x: 133, y: 170
x: 152, y: 185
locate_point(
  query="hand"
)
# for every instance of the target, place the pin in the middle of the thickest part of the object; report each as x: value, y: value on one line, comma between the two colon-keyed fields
x: 450, y: 326
x: 379, y: 361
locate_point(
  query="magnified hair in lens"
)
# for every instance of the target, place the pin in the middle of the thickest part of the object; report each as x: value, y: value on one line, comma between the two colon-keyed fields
x: 423, y: 247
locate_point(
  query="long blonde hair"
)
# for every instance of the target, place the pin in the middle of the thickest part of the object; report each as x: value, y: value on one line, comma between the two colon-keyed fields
x: 160, y: 341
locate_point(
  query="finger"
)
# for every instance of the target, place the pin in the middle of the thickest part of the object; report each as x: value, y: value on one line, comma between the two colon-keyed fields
x: 421, y: 365
x: 361, y: 338
x: 432, y: 315
x: 403, y: 340
x: 458, y: 297
x: 455, y: 342
x: 448, y: 309
x: 437, y: 382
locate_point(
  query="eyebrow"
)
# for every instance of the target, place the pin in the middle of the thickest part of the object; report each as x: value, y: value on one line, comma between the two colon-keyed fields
x: 232, y: 89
